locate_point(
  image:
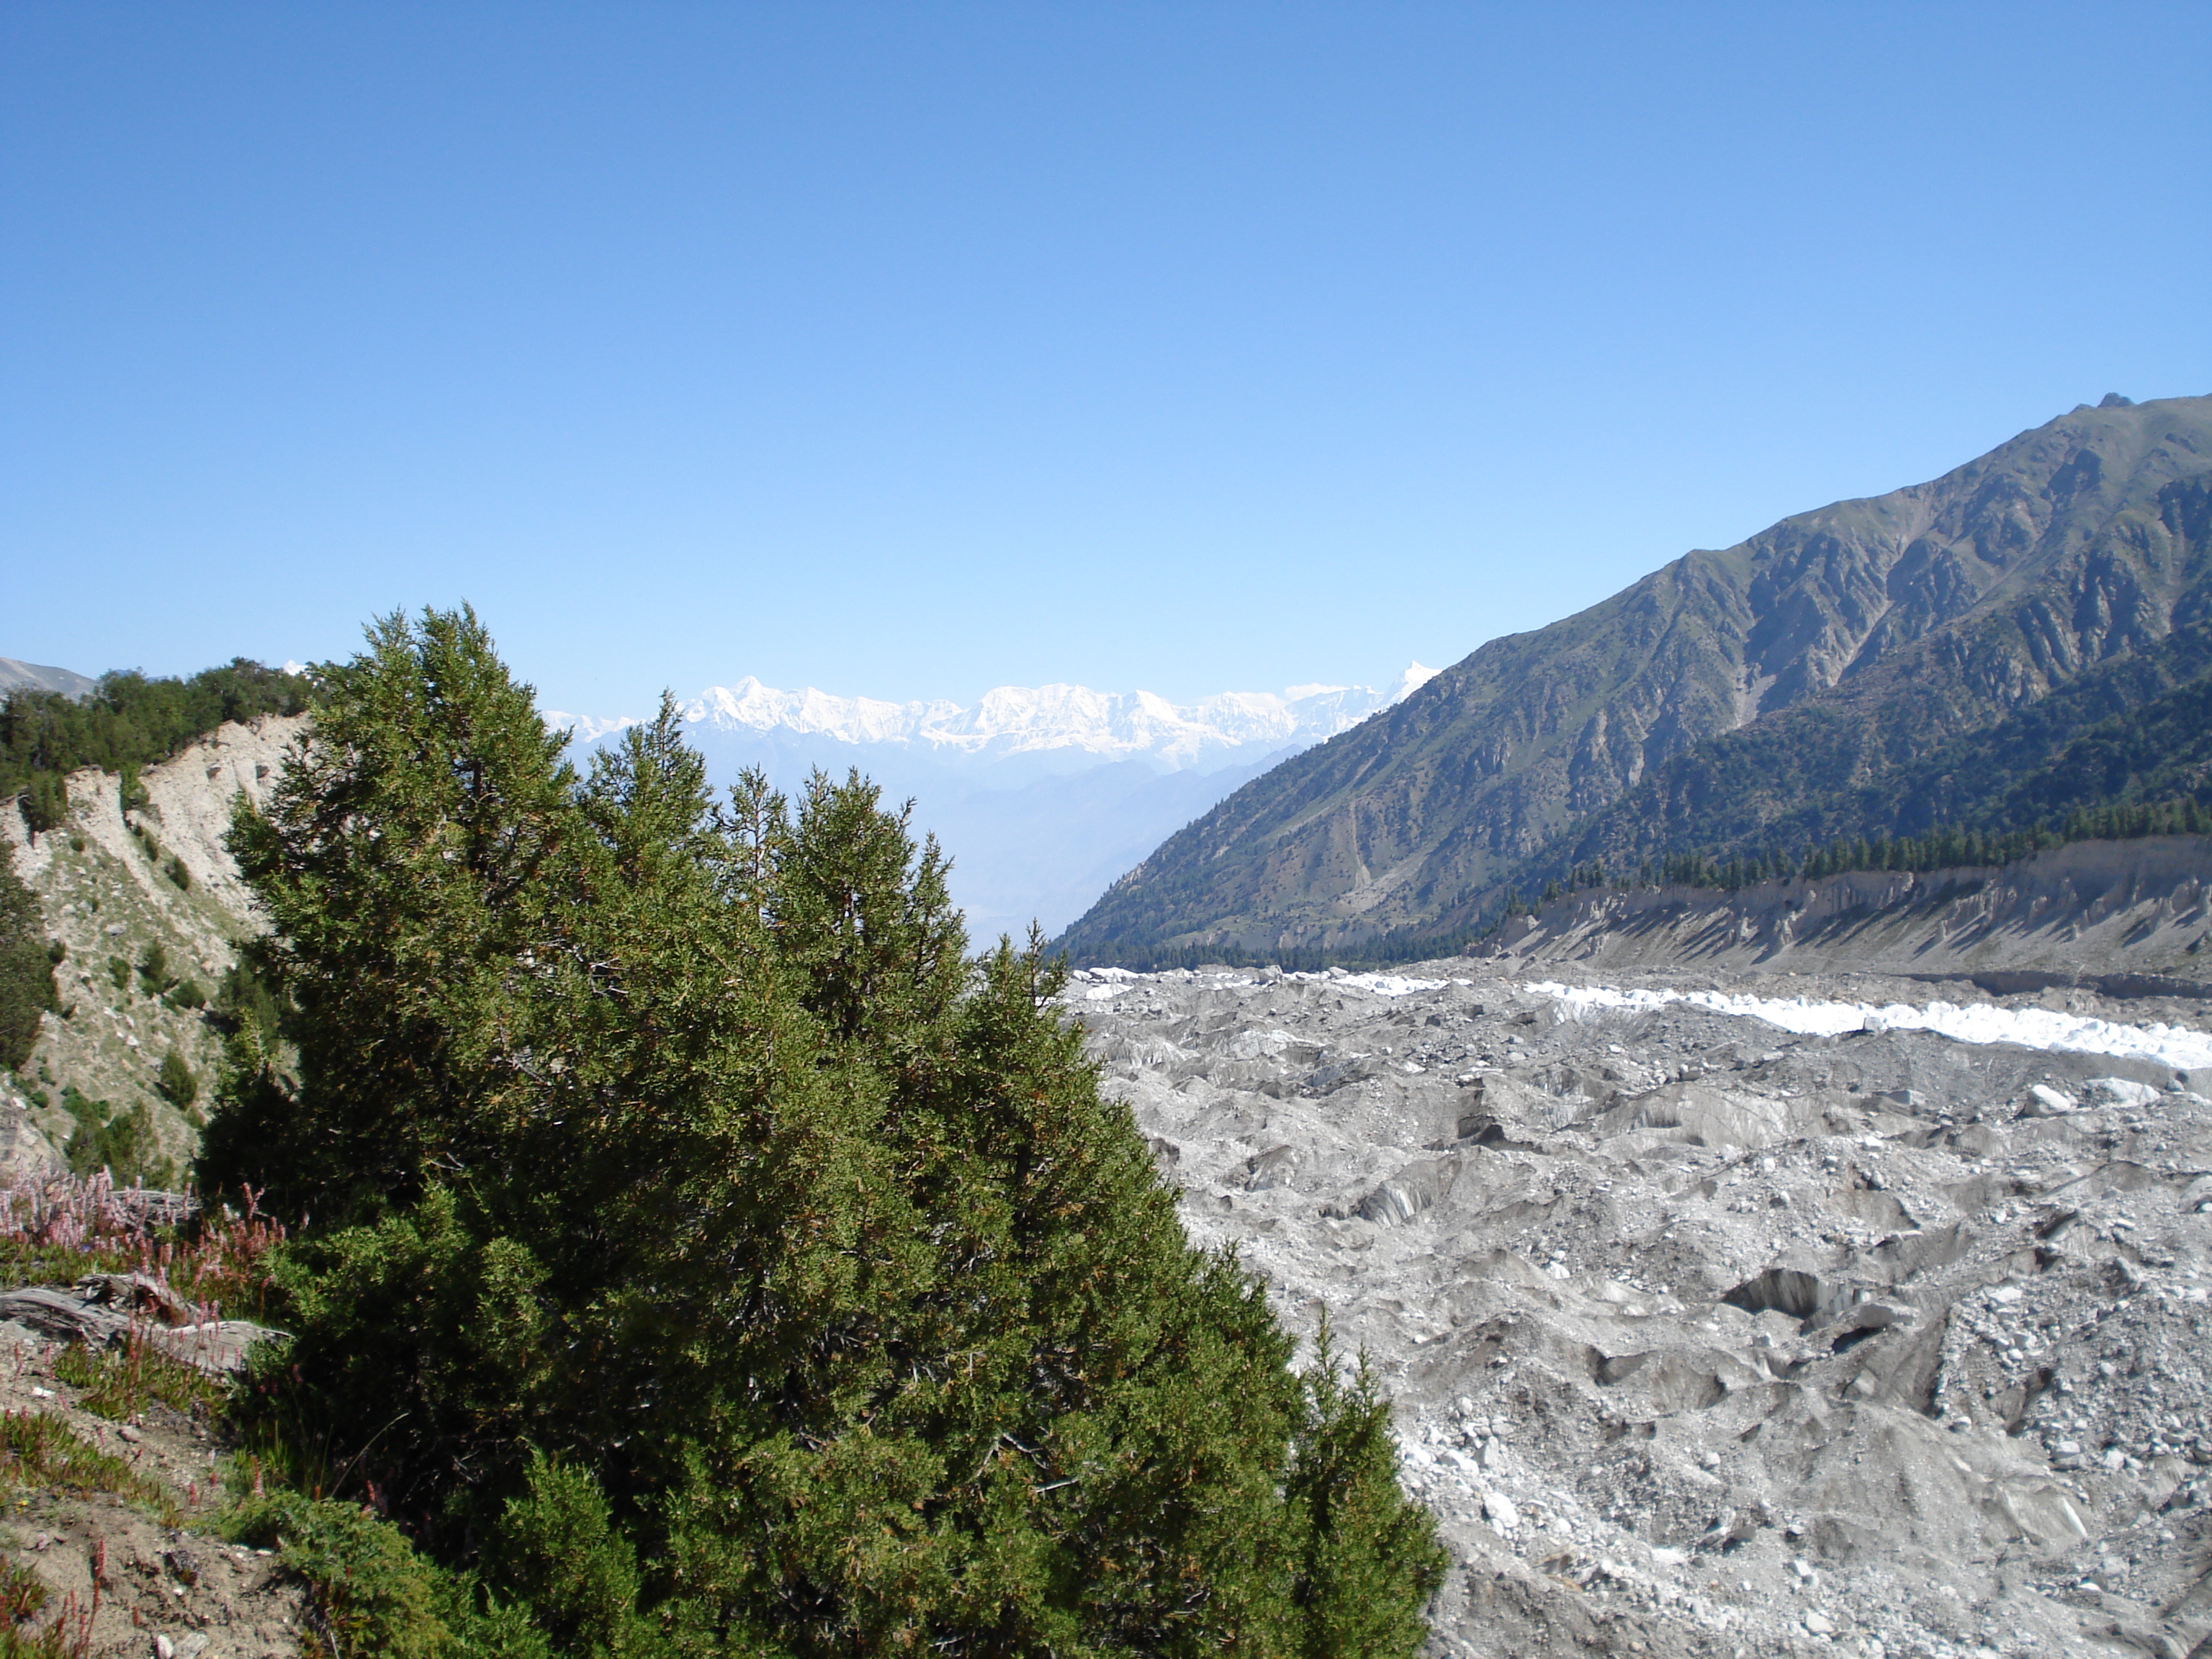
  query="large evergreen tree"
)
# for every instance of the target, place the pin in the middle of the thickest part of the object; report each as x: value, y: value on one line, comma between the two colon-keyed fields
x: 719, y: 1258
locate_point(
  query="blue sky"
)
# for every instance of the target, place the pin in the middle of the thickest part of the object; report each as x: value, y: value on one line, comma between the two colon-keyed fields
x: 914, y: 349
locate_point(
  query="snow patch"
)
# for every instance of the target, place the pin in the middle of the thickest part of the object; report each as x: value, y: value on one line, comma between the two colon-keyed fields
x: 2177, y: 1046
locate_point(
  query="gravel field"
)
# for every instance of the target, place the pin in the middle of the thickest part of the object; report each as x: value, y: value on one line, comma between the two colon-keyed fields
x: 1708, y: 1336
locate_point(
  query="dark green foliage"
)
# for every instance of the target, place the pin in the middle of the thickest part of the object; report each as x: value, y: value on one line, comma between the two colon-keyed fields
x: 45, y: 802
x: 176, y: 872
x: 244, y: 995
x: 27, y: 966
x: 131, y: 721
x: 154, y: 968
x: 559, y: 1551
x: 373, y: 1595
x: 178, y: 1083
x: 716, y: 1255
x: 1366, y: 1542
x: 123, y: 1142
x: 118, y: 969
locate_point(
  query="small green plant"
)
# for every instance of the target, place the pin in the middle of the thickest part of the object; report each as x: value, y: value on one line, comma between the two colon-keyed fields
x: 133, y: 793
x: 118, y: 1384
x: 23, y: 1596
x: 186, y: 994
x: 176, y: 871
x: 39, y: 1452
x: 22, y: 1593
x: 124, y: 1144
x: 118, y: 969
x: 154, y: 969
x: 76, y: 843
x: 56, y: 952
x: 177, y: 1082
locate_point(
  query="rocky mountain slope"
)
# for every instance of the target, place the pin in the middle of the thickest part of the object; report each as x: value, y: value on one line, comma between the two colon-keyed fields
x: 37, y: 676
x: 107, y: 885
x: 1829, y: 1320
x: 1866, y: 636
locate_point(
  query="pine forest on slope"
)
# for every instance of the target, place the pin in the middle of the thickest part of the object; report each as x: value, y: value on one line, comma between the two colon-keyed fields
x: 1876, y: 667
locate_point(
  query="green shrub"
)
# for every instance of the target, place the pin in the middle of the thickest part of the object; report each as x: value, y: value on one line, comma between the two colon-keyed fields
x: 178, y: 1084
x: 723, y: 1257
x: 374, y: 1595
x: 559, y: 1550
x: 176, y: 871
x: 154, y: 968
x: 118, y: 969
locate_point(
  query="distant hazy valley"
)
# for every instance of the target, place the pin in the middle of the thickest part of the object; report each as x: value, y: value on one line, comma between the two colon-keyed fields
x: 1043, y: 795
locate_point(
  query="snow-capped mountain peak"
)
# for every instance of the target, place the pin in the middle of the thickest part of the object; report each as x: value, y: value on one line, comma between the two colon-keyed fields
x: 1019, y: 719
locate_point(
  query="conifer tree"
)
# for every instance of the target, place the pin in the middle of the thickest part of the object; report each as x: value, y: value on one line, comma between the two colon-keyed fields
x: 26, y: 965
x: 716, y: 1256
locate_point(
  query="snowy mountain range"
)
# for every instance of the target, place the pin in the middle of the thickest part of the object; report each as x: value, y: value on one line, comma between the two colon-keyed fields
x: 1080, y: 726
x: 1042, y: 795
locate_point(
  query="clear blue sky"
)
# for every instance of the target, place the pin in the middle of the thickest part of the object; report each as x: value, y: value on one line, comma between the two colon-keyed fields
x: 913, y: 350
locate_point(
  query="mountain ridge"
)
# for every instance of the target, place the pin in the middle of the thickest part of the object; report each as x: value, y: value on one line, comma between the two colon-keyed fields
x: 1947, y: 603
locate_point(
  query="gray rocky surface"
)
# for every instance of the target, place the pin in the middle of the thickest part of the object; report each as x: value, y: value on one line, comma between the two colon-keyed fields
x: 1708, y: 1338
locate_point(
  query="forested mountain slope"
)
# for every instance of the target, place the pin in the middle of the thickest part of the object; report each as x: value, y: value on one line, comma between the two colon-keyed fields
x: 1845, y: 645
